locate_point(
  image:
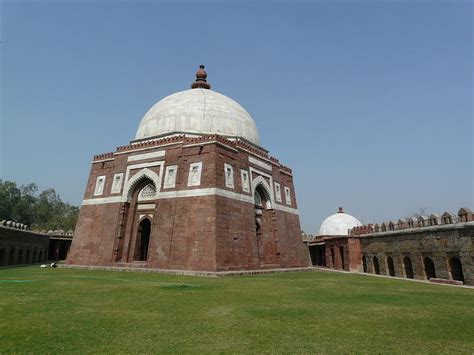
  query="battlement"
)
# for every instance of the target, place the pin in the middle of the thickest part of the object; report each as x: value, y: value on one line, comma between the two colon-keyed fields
x: 464, y: 215
x: 242, y: 144
x: 13, y: 224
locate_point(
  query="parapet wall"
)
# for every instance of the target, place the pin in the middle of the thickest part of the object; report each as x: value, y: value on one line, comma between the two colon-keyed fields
x: 434, y: 220
x: 20, y: 246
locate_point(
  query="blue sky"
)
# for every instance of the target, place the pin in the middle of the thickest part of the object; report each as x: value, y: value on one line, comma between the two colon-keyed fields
x: 370, y: 102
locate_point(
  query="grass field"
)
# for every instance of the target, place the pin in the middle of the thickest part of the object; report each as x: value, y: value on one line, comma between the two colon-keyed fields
x: 64, y: 310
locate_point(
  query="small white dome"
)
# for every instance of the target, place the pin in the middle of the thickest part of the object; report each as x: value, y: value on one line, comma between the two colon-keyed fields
x: 338, y: 224
x: 198, y: 111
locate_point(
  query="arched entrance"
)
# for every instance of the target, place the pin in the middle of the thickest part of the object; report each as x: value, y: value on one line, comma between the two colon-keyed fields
x: 390, y: 266
x: 456, y: 269
x: 134, y: 232
x: 376, y: 265
x: 143, y: 240
x: 268, y: 252
x: 408, y: 267
x: 429, y: 268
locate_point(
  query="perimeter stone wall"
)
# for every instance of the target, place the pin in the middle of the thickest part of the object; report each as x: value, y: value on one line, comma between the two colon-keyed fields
x: 438, y: 243
x: 20, y: 247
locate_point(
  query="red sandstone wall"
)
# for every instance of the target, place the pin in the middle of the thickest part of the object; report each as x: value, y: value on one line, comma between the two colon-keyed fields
x: 183, y: 234
x: 94, y: 236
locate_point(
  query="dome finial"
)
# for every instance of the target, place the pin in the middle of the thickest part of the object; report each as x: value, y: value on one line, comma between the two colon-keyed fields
x: 200, y: 81
x: 341, y: 210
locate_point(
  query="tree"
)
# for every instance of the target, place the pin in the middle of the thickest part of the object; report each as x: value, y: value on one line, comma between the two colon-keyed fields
x: 41, y: 211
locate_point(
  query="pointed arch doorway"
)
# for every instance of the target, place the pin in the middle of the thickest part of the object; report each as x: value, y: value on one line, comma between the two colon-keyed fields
x: 268, y: 251
x: 142, y: 240
x: 135, y: 219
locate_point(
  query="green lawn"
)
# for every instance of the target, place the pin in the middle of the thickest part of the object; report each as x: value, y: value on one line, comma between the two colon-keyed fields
x: 64, y: 310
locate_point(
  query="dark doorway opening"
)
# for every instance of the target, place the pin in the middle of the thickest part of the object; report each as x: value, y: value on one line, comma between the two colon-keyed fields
x: 11, y: 258
x: 333, y: 259
x: 391, y: 267
x: 408, y: 267
x: 316, y: 253
x: 341, y: 253
x: 364, y: 264
x: 429, y: 268
x: 143, y: 239
x: 456, y: 269
x: 376, y: 265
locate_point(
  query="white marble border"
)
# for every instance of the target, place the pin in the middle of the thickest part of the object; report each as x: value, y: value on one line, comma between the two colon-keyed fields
x: 192, y: 193
x: 229, y: 181
x: 158, y: 154
x: 260, y: 163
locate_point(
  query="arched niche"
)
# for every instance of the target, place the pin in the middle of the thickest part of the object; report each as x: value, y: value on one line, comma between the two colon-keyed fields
x: 390, y: 266
x: 261, y: 187
x: 375, y: 261
x: 143, y: 240
x: 137, y: 179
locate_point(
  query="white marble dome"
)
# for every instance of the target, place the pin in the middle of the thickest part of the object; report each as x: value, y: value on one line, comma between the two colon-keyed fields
x: 338, y: 224
x: 198, y: 111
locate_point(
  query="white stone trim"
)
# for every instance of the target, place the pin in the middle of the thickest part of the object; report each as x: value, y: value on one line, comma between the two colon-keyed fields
x: 260, y: 163
x: 99, y: 185
x: 135, y: 178
x: 160, y: 163
x: 102, y: 200
x: 259, y: 172
x: 244, y: 177
x: 287, y: 195
x: 147, y: 148
x: 212, y: 191
x: 194, y: 179
x: 170, y: 176
x: 277, y: 192
x: 117, y: 183
x: 102, y: 161
x: 259, y: 156
x: 158, y: 154
x: 229, y: 176
x: 146, y: 206
x: 259, y: 180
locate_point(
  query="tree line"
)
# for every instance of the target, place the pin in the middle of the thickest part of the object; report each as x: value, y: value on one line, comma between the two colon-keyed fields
x: 40, y: 210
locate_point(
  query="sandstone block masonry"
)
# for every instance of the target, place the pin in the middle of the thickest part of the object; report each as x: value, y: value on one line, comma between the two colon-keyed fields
x: 203, y: 204
x: 439, y: 248
x: 433, y: 252
x: 20, y: 247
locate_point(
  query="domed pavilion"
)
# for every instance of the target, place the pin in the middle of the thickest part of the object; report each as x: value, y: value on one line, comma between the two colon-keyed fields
x: 194, y: 190
x: 333, y: 246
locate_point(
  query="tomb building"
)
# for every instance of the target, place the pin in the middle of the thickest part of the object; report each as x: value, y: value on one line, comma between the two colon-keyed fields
x: 194, y: 190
